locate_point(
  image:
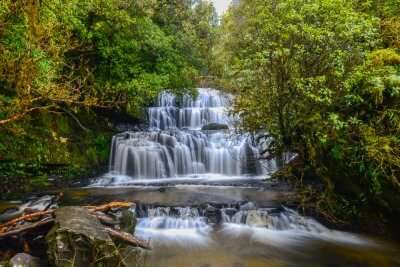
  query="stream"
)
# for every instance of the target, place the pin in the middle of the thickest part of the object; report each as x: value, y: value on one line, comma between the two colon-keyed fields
x: 206, y: 200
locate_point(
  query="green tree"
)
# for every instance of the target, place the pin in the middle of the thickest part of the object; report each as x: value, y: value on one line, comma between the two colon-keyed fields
x: 307, y: 72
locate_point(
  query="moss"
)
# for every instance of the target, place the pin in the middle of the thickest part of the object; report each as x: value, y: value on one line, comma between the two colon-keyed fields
x: 52, y: 146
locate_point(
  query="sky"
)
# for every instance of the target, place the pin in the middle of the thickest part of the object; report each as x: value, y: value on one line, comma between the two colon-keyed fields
x: 221, y: 5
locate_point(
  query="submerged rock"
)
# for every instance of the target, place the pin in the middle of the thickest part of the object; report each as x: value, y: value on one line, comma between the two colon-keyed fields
x: 78, y: 239
x: 213, y: 214
x: 215, y: 127
x: 24, y: 260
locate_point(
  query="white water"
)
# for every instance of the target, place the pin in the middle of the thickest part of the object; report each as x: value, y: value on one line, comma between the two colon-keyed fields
x: 175, y: 147
x: 174, y: 150
x: 189, y: 227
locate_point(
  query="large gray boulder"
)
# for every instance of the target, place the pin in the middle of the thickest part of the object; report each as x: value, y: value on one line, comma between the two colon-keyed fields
x: 78, y: 239
x: 24, y: 260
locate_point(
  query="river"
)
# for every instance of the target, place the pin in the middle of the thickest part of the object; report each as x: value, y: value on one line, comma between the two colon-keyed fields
x: 205, y: 198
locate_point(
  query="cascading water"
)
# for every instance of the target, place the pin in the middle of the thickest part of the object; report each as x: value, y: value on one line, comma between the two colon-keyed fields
x: 242, y: 236
x: 208, y: 107
x: 175, y: 146
x: 170, y: 222
x: 216, y: 212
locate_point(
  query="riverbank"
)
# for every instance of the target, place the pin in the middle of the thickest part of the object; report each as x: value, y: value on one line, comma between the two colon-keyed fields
x: 59, y: 151
x: 331, y: 207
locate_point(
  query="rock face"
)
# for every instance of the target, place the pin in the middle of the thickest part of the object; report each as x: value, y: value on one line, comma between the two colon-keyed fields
x: 215, y: 127
x: 24, y: 260
x: 78, y: 239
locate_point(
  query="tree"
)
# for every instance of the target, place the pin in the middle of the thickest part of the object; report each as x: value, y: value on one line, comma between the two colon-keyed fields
x: 306, y: 72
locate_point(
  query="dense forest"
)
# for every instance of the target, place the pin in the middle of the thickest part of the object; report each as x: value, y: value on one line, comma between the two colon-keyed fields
x: 321, y: 77
x: 66, y: 66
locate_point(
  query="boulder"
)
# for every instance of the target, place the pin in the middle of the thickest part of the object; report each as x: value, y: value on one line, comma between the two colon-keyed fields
x: 127, y: 220
x: 215, y: 127
x: 78, y: 239
x: 24, y: 260
x: 213, y: 214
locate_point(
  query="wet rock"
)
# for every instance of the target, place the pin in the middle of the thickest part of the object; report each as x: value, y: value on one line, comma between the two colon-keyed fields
x: 10, y: 213
x: 78, y: 239
x: 230, y: 211
x: 215, y: 127
x: 141, y: 210
x: 42, y: 203
x: 213, y: 214
x: 257, y: 219
x: 33, y: 205
x: 24, y: 260
x: 127, y: 220
x: 248, y: 206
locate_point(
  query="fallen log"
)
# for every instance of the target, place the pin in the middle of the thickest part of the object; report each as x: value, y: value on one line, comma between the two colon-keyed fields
x: 127, y: 238
x: 109, y: 206
x: 27, y: 227
x: 27, y: 217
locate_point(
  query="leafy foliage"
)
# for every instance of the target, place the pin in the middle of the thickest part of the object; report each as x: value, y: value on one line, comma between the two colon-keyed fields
x: 322, y: 78
x: 65, y: 60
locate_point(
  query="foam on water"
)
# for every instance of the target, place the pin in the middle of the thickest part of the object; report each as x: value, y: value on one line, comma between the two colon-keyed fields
x: 189, y: 227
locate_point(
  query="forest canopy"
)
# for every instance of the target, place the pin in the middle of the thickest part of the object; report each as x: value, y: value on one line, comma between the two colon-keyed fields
x: 64, y: 61
x: 323, y: 79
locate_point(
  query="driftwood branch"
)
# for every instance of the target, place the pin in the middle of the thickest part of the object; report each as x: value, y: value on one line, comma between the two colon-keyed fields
x: 27, y: 227
x: 127, y: 238
x: 27, y: 217
x: 112, y: 205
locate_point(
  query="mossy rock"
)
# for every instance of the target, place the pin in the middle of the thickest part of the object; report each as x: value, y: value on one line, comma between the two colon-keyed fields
x: 78, y: 239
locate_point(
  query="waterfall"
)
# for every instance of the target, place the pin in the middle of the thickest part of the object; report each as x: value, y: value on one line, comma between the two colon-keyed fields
x: 176, y: 146
x: 208, y: 107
